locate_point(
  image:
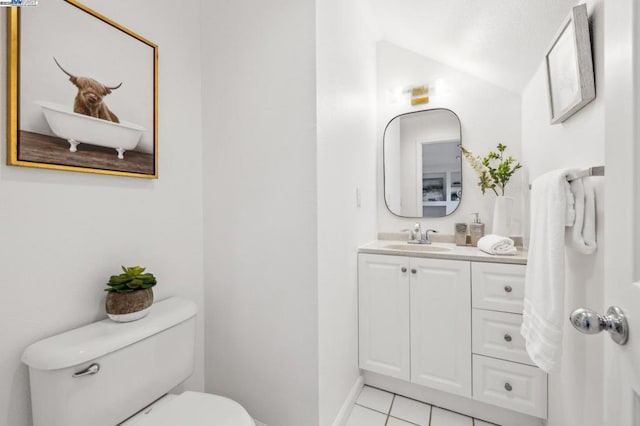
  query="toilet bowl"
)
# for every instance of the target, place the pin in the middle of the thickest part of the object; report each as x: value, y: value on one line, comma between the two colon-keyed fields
x: 109, y: 373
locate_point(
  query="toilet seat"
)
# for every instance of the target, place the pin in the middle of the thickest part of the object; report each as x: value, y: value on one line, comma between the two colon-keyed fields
x: 194, y: 409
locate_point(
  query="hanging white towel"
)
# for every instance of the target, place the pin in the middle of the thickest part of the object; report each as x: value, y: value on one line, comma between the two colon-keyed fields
x: 584, y: 228
x: 496, y: 244
x: 555, y: 204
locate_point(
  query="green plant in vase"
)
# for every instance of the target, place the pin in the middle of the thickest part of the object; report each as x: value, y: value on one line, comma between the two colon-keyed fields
x: 494, y: 172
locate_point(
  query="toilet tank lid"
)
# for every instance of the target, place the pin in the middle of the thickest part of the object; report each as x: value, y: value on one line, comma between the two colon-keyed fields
x: 103, y: 337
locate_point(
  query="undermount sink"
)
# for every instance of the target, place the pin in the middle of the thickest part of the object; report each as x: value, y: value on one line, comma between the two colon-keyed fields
x: 416, y: 247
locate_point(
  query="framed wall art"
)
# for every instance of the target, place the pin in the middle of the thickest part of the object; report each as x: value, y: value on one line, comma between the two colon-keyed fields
x: 570, y: 67
x: 83, y: 92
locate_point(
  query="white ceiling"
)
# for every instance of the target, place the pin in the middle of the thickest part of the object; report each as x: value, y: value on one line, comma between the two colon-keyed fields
x: 501, y: 41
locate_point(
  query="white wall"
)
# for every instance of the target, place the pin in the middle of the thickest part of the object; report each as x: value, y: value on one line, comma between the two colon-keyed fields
x: 575, y: 393
x: 63, y: 233
x: 488, y: 115
x: 260, y: 198
x: 346, y: 161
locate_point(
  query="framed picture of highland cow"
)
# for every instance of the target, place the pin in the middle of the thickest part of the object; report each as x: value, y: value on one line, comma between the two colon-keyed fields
x: 83, y: 92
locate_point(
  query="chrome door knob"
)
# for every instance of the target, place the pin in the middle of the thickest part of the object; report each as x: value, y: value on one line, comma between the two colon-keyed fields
x: 590, y: 322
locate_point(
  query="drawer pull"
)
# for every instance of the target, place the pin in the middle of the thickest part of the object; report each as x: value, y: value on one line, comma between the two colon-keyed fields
x: 403, y: 269
x: 507, y: 337
x: 508, y: 387
x: 413, y: 271
x: 508, y: 288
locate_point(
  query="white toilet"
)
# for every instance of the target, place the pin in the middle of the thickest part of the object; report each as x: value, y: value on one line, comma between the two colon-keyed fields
x: 108, y: 373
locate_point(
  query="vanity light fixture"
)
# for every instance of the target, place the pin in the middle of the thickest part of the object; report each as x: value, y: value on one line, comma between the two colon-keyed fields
x: 419, y: 95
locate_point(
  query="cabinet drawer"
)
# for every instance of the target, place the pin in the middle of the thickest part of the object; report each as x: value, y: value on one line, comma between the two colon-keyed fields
x: 498, y: 287
x: 497, y: 334
x: 510, y: 385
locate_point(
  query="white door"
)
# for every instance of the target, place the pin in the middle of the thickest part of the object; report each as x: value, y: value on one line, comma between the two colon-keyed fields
x: 441, y: 324
x: 622, y: 209
x: 383, y: 313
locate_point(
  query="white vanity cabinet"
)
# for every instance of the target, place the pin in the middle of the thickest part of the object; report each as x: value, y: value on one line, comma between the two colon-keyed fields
x: 503, y: 373
x: 440, y: 296
x: 451, y: 325
x: 414, y: 320
x: 383, y: 311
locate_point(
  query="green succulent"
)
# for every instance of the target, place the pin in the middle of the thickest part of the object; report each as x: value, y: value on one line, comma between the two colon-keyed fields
x: 132, y: 279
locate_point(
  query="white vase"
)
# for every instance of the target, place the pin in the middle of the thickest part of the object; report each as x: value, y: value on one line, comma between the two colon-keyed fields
x: 502, y: 216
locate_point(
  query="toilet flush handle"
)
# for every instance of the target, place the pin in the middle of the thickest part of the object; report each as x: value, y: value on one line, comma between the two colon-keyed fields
x: 92, y: 369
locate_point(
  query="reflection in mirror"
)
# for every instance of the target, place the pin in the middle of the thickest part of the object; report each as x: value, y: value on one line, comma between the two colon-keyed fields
x: 422, y: 164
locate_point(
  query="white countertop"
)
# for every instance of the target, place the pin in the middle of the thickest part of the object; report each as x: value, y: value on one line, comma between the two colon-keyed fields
x: 452, y: 251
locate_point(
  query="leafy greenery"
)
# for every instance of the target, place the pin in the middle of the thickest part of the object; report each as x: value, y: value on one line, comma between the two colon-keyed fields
x: 493, y: 176
x: 132, y: 279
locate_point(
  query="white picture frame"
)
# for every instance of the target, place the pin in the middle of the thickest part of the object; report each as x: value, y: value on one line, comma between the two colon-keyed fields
x: 569, y: 67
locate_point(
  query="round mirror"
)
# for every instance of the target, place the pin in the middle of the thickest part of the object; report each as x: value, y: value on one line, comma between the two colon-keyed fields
x: 422, y: 164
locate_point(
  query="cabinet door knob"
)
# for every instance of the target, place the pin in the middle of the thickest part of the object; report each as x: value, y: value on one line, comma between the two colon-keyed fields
x: 508, y: 387
x: 507, y: 337
x: 403, y: 269
x: 413, y: 270
x: 508, y: 288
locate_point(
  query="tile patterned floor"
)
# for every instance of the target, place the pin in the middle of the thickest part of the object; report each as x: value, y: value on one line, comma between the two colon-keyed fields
x: 375, y: 407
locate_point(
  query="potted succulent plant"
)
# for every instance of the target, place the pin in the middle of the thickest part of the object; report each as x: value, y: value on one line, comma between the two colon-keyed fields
x: 130, y: 294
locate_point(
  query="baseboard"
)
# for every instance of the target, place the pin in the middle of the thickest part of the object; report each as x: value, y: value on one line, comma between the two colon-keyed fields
x: 347, y: 406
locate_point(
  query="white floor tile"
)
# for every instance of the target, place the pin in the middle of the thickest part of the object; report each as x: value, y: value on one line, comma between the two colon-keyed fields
x: 361, y: 416
x: 411, y: 410
x: 440, y: 417
x: 397, y: 422
x: 477, y: 422
x: 375, y: 399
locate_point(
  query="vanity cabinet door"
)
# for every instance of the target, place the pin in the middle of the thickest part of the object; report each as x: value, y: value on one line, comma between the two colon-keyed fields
x: 383, y: 300
x: 441, y: 324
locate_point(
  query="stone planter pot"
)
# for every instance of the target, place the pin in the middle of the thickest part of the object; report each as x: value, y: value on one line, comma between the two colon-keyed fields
x: 125, y: 307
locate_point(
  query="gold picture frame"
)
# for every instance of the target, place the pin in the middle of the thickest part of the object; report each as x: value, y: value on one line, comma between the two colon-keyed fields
x: 60, y: 116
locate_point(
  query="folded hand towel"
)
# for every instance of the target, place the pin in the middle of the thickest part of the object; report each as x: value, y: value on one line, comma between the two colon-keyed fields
x: 495, y: 244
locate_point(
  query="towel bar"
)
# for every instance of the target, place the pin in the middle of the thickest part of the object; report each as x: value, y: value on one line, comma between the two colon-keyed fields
x: 591, y: 171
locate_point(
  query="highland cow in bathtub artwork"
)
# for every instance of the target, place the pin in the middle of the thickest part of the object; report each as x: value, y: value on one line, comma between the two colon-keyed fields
x: 89, y: 99
x: 83, y: 92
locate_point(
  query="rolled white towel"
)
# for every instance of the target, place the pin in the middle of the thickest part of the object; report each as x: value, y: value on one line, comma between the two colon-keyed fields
x: 495, y: 244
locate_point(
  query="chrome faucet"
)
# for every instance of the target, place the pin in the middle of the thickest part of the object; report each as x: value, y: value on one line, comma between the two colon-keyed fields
x: 427, y: 238
x: 417, y: 237
x: 417, y: 231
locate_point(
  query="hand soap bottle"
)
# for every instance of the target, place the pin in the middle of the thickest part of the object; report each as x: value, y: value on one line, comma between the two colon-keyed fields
x: 476, y: 230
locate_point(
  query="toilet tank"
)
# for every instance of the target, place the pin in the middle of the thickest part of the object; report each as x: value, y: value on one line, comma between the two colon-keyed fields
x: 138, y: 362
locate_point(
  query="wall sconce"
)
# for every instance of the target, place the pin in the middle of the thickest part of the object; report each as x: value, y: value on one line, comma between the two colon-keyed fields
x: 419, y: 95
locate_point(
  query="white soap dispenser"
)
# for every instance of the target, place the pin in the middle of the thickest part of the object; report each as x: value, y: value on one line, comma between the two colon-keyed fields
x: 476, y: 230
